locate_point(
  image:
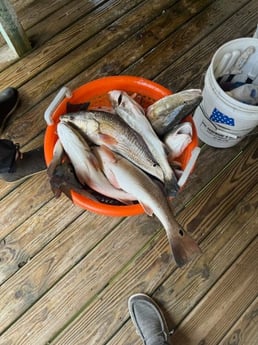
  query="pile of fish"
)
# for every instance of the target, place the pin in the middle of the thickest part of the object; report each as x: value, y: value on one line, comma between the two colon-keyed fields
x: 126, y: 154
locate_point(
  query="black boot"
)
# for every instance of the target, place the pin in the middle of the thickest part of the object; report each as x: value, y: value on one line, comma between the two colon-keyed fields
x: 9, y: 99
x: 26, y: 164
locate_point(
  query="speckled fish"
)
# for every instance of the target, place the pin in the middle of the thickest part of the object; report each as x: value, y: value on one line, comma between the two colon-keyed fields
x: 167, y: 112
x: 108, y: 129
x: 178, y: 139
x: 133, y: 114
x: 132, y: 179
x: 85, y: 164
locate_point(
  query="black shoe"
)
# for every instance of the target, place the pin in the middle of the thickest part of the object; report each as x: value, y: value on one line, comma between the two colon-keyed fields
x: 9, y: 99
x: 27, y: 164
x: 148, y: 320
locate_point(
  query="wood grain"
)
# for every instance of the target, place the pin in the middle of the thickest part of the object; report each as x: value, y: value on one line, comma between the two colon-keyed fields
x: 65, y: 273
x: 245, y: 330
x: 180, y: 291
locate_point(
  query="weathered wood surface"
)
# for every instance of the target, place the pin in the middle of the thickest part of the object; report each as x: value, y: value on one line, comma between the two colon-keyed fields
x: 65, y: 273
x: 12, y: 30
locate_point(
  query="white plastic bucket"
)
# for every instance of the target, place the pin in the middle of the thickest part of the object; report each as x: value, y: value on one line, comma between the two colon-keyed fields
x: 222, y: 121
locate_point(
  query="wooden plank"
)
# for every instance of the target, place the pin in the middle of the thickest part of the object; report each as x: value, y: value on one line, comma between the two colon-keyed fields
x: 223, y: 304
x: 32, y: 195
x: 57, y: 257
x: 245, y: 330
x: 226, y: 184
x: 12, y: 30
x: 210, y: 157
x: 49, y: 16
x: 147, y: 38
x: 62, y: 19
x: 57, y: 74
x: 181, y: 42
x: 73, y: 291
x: 32, y: 12
x: 128, y: 336
x: 178, y: 75
x: 73, y: 61
x: 83, y: 29
x: 26, y: 240
x: 150, y: 268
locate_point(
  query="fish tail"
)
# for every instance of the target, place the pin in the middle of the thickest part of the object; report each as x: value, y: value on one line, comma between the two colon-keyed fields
x: 184, y: 248
x: 171, y: 187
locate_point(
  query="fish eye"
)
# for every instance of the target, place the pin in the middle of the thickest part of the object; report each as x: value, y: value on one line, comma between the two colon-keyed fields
x: 181, y: 233
x: 119, y: 99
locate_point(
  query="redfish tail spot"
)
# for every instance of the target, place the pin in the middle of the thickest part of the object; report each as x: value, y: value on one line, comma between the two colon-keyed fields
x: 184, y: 248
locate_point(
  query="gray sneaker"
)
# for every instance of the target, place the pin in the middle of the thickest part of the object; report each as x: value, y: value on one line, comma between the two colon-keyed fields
x: 148, y: 320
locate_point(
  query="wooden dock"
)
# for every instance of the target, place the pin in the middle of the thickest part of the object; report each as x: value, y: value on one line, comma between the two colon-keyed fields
x: 65, y: 273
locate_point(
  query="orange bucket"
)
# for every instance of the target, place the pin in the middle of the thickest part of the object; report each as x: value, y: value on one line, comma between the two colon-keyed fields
x: 95, y: 92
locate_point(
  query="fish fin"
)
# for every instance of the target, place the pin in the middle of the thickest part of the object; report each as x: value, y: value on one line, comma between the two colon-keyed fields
x: 107, y: 139
x: 184, y: 248
x: 75, y: 107
x: 94, y: 162
x: 113, y: 180
x: 126, y: 202
x: 56, y: 183
x: 56, y: 191
x: 147, y: 209
x: 110, y: 154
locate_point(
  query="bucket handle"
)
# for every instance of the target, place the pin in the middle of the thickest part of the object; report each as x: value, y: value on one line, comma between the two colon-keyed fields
x: 217, y: 129
x: 63, y: 92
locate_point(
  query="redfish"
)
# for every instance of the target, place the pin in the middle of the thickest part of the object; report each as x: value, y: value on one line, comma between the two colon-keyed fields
x: 133, y: 180
x: 86, y: 165
x: 133, y: 114
x: 108, y: 129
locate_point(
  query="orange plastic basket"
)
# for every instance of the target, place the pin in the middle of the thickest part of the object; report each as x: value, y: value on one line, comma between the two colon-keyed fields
x: 95, y: 92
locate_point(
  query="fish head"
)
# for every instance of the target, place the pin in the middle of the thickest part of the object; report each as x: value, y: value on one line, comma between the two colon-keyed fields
x: 115, y: 97
x: 86, y: 124
x: 170, y: 110
x: 191, y: 99
x: 121, y: 99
